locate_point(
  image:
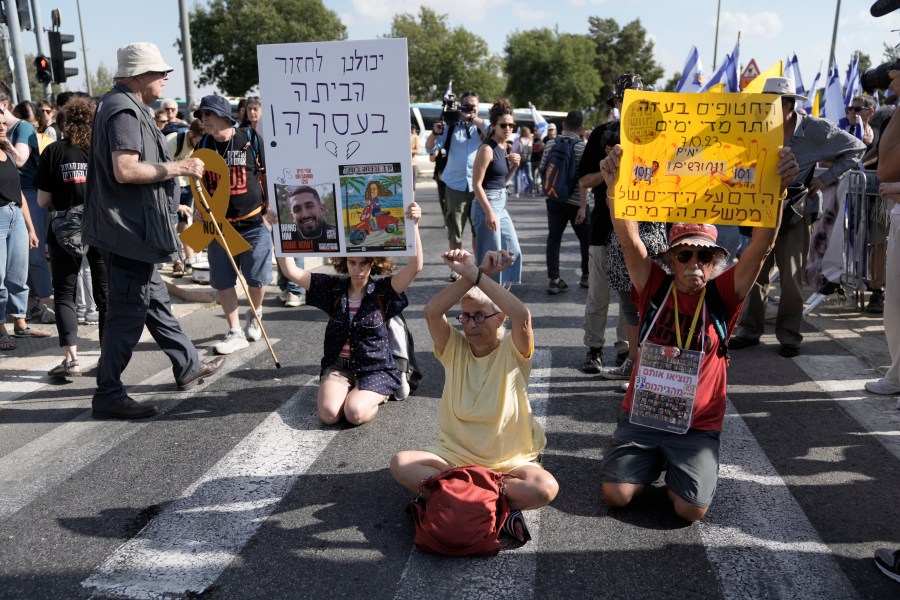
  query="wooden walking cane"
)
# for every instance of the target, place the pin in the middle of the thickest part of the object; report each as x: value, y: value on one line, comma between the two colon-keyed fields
x: 201, y: 194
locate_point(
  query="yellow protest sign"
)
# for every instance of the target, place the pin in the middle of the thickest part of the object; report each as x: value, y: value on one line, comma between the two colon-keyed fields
x: 702, y: 158
x: 202, y: 231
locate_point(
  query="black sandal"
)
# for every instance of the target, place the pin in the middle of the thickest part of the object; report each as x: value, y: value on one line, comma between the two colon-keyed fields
x: 509, y: 526
x: 65, y: 370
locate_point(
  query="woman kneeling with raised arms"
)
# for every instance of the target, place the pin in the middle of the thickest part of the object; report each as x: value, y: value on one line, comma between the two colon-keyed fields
x: 485, y: 416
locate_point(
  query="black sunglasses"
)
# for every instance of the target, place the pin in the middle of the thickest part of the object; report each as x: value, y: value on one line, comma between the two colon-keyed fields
x: 856, y: 108
x: 467, y: 108
x: 703, y: 256
x: 512, y: 126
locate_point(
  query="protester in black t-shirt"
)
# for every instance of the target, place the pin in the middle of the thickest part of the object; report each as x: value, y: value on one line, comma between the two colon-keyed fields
x: 61, y: 183
x: 242, y: 150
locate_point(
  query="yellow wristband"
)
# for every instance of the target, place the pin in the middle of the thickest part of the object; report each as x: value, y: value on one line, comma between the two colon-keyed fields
x: 477, y: 279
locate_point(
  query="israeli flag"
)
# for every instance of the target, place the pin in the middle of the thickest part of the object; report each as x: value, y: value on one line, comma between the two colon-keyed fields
x: 734, y: 78
x: 692, y: 74
x: 833, y: 100
x: 540, y: 123
x: 720, y: 76
x: 853, y: 86
x: 793, y: 71
x: 449, y: 89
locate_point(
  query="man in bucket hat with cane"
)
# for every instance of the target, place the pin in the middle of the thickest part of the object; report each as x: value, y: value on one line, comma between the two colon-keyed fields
x: 128, y: 216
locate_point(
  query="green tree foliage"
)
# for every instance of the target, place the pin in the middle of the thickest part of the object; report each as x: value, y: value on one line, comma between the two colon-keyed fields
x: 439, y: 54
x: 891, y: 52
x: 225, y: 33
x: 553, y: 70
x: 621, y: 50
x: 35, y: 88
x: 102, y: 81
x: 672, y: 82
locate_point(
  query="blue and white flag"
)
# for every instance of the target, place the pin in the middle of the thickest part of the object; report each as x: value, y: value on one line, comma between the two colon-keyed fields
x: 734, y: 78
x: 449, y: 89
x: 692, y: 74
x: 833, y: 101
x: 720, y: 76
x: 808, y: 106
x: 793, y: 71
x: 540, y: 123
x: 853, y: 88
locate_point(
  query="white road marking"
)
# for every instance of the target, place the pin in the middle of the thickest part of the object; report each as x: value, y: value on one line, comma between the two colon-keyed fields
x: 188, y: 546
x: 510, y: 574
x: 35, y: 468
x: 757, y: 535
x: 23, y: 375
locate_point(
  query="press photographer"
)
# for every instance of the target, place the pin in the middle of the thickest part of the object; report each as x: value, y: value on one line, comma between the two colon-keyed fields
x: 457, y: 136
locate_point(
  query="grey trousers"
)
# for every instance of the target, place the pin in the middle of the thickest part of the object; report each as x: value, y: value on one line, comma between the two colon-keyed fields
x: 137, y: 297
x: 596, y: 308
x: 790, y: 247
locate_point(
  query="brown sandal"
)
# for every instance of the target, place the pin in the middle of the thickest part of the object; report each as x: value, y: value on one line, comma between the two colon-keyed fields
x: 178, y: 268
x: 6, y: 344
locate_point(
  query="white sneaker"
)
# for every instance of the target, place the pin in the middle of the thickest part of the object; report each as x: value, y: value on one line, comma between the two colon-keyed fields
x: 402, y: 393
x: 883, y: 387
x: 291, y: 299
x: 252, y: 329
x: 234, y: 340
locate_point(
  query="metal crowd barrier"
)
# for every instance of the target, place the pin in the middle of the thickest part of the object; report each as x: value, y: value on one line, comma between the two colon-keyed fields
x: 866, y: 224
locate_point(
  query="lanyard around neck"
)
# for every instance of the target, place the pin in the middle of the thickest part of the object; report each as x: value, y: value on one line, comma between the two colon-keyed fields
x: 693, y: 322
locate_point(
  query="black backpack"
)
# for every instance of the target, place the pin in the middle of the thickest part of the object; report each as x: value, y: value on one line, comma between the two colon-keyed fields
x: 560, y: 170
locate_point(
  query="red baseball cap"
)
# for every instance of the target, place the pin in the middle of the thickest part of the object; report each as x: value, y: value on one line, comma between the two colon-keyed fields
x: 694, y: 234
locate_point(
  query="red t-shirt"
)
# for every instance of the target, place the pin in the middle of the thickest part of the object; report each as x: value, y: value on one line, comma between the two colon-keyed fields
x: 709, y: 405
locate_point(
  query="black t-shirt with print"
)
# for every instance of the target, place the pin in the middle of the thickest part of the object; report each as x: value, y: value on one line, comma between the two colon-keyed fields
x: 10, y: 187
x: 246, y: 186
x: 63, y: 172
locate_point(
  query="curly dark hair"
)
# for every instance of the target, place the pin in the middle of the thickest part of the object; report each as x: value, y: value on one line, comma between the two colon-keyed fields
x: 381, y: 265
x: 79, y: 121
x: 501, y: 107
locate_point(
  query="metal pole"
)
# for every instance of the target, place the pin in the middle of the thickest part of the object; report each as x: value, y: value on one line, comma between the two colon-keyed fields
x: 186, y: 56
x: 716, y: 43
x: 837, y: 13
x: 87, y: 72
x: 7, y: 52
x: 20, y: 72
x: 39, y: 36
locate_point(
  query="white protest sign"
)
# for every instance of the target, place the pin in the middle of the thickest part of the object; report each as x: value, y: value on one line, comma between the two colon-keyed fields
x: 338, y: 167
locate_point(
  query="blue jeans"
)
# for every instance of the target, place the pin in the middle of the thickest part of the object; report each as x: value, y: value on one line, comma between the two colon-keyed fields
x: 255, y: 264
x: 38, y: 267
x: 504, y: 238
x: 524, y: 179
x: 286, y: 284
x: 13, y: 262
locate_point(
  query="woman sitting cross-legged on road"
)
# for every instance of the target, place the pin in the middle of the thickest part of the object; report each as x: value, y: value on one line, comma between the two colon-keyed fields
x: 358, y: 372
x: 485, y: 416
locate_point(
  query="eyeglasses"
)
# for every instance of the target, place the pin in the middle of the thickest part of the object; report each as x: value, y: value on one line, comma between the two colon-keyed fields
x: 162, y: 121
x: 856, y: 108
x: 478, y: 317
x: 207, y: 113
x: 511, y: 126
x: 703, y: 256
x: 467, y: 108
x: 46, y: 111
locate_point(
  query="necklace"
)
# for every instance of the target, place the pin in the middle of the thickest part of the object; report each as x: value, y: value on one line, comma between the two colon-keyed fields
x: 224, y: 154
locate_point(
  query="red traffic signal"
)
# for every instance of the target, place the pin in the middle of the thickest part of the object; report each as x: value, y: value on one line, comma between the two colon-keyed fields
x: 42, y: 69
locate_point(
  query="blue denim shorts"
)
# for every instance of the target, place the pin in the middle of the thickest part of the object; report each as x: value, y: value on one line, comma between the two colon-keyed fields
x: 255, y: 264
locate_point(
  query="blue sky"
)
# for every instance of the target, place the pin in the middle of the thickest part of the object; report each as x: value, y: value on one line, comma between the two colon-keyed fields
x: 770, y: 29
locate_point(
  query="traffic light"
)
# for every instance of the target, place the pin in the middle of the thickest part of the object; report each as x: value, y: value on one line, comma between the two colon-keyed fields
x: 58, y: 56
x: 42, y: 69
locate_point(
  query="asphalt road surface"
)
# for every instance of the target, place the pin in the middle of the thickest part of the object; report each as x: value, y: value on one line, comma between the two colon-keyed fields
x: 237, y: 491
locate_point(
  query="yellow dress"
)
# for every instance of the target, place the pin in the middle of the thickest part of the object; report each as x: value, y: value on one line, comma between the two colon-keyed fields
x: 485, y: 417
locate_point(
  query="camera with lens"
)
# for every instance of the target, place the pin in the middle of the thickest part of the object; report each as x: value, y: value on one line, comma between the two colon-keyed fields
x: 450, y: 109
x: 877, y: 78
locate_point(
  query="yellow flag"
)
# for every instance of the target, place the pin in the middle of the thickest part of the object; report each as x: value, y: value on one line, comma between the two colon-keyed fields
x: 716, y: 89
x: 816, y: 108
x: 756, y: 86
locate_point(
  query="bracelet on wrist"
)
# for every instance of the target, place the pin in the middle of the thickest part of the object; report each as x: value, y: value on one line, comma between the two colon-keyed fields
x: 477, y: 279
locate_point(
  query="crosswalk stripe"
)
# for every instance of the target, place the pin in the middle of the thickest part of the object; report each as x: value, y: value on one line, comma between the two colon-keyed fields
x: 188, y: 546
x: 37, y: 467
x: 510, y: 574
x: 745, y: 521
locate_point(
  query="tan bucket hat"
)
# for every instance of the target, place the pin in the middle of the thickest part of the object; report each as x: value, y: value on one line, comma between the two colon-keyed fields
x: 138, y: 58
